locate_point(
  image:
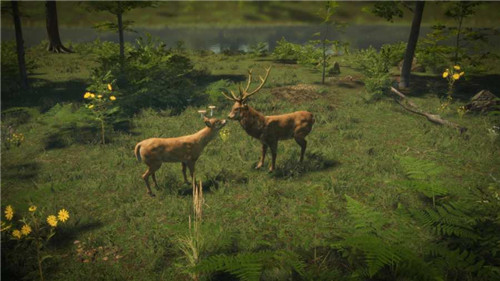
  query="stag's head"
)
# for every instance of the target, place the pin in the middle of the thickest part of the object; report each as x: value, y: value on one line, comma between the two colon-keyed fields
x: 240, y: 102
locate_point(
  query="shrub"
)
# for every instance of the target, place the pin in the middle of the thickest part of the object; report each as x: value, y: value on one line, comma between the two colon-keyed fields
x: 286, y: 51
x: 150, y: 76
x: 214, y: 90
x: 259, y: 49
x: 375, y: 66
x: 395, y: 53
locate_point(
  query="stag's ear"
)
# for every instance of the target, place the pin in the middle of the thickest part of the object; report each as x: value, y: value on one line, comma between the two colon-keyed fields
x: 207, y: 122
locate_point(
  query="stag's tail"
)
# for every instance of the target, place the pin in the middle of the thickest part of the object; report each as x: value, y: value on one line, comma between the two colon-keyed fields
x: 137, y: 152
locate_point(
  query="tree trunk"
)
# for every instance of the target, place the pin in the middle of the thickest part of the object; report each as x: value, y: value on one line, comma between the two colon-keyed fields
x: 20, y: 46
x: 55, y: 44
x: 120, y: 35
x: 404, y: 81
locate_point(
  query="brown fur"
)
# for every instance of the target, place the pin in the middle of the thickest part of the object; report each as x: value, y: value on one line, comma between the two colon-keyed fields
x: 185, y: 149
x: 270, y: 129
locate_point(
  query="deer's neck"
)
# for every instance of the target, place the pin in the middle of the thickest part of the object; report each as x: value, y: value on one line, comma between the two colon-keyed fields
x: 204, y: 136
x: 253, y: 122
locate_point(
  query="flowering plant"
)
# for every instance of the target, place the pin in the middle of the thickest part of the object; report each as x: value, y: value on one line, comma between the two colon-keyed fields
x: 101, y: 105
x: 33, y: 228
x: 451, y: 74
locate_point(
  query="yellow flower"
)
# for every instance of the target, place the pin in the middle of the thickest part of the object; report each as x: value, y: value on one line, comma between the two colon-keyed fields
x: 63, y: 215
x: 456, y: 76
x: 92, y: 95
x: 87, y: 95
x: 109, y: 87
x: 112, y: 98
x: 99, y: 96
x: 9, y: 212
x: 462, y: 73
x: 91, y: 106
x: 457, y: 67
x: 16, y: 233
x: 26, y: 229
x: 32, y: 208
x: 52, y: 220
x: 445, y: 74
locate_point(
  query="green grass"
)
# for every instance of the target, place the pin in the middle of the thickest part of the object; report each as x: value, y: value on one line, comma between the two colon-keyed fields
x: 353, y: 150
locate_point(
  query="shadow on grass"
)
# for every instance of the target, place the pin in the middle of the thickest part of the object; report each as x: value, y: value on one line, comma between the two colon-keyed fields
x: 45, y: 94
x: 20, y: 172
x: 65, y: 236
x: 313, y: 162
x: 464, y: 89
x: 205, y: 80
x: 213, y: 182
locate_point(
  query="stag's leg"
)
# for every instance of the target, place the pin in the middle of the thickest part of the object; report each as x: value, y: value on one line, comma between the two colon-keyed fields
x: 262, y: 156
x: 303, y: 144
x: 151, y: 170
x: 274, y: 149
x: 184, y: 173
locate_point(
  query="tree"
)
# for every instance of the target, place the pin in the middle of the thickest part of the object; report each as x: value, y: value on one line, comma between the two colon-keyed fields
x: 55, y: 44
x: 459, y: 11
x: 118, y: 8
x: 326, y: 15
x: 20, y: 45
x: 404, y: 81
x: 389, y: 10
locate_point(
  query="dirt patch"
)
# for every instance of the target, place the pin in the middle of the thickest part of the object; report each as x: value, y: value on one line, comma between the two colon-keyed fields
x: 297, y: 93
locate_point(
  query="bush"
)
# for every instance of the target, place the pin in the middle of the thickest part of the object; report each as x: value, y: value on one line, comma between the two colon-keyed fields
x: 395, y: 53
x: 259, y: 50
x: 151, y: 76
x: 375, y: 66
x: 308, y: 54
x: 214, y: 90
x: 286, y: 51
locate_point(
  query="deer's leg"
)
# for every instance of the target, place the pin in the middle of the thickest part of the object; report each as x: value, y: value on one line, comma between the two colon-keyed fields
x: 154, y: 180
x: 184, y: 173
x: 303, y: 144
x: 151, y: 170
x: 190, y: 165
x: 262, y: 156
x: 274, y: 149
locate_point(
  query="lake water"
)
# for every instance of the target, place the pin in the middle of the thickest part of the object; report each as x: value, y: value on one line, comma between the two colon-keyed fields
x: 236, y: 38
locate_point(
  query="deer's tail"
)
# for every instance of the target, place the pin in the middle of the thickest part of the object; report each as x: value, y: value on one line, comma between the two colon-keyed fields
x: 137, y: 152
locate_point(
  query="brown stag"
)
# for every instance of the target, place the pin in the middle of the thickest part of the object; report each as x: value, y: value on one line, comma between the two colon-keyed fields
x: 185, y: 149
x: 269, y: 129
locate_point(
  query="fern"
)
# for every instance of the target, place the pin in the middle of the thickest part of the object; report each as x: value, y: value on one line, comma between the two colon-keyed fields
x: 378, y: 244
x: 250, y: 266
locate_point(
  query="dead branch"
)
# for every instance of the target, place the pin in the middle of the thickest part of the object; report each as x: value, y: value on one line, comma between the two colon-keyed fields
x: 434, y: 118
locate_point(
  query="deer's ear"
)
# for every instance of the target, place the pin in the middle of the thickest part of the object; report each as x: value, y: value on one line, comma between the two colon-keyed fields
x: 207, y: 122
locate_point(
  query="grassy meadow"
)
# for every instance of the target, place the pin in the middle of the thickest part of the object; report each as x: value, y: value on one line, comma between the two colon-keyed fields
x: 383, y: 194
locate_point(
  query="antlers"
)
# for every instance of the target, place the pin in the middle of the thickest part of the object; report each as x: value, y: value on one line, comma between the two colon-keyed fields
x: 244, y: 94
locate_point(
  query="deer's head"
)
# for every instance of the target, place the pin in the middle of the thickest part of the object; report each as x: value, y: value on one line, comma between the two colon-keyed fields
x: 240, y: 102
x: 214, y: 123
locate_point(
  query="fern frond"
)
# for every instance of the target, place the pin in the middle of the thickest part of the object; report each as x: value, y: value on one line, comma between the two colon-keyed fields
x: 418, y: 169
x: 249, y: 266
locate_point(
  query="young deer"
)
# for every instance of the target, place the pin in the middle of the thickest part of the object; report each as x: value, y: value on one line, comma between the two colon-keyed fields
x: 269, y: 129
x: 185, y: 149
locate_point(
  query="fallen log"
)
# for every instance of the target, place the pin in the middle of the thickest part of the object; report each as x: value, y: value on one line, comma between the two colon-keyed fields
x: 434, y: 118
